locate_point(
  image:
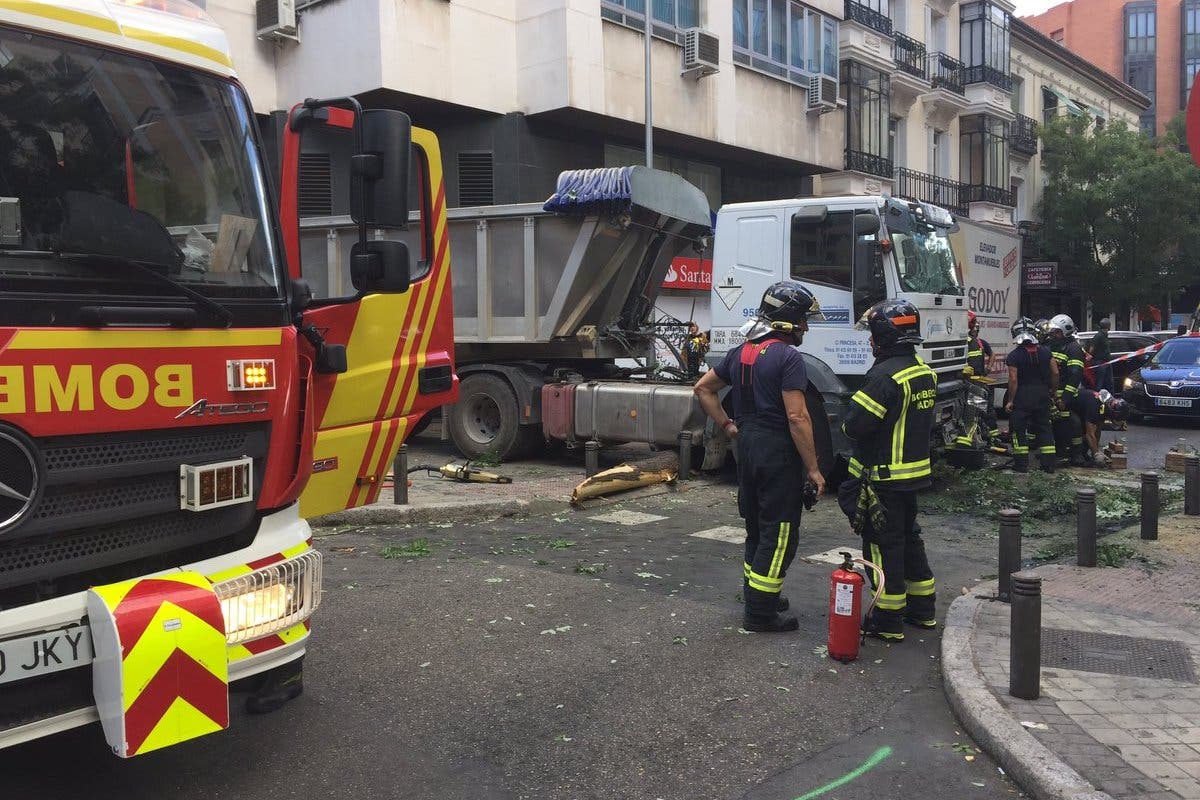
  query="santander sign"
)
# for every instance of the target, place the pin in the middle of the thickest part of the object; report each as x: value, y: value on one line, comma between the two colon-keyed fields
x: 689, y: 273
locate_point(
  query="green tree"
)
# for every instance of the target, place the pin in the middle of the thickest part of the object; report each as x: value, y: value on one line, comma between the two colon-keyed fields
x: 1120, y: 212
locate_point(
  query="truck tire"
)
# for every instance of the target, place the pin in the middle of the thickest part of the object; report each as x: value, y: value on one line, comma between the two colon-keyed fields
x: 486, y: 418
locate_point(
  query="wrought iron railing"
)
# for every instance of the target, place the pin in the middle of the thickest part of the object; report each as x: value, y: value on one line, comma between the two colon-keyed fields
x: 944, y: 192
x: 868, y: 17
x: 1023, y: 135
x: 989, y: 194
x: 945, y: 72
x: 910, y: 55
x: 869, y: 163
x: 986, y: 74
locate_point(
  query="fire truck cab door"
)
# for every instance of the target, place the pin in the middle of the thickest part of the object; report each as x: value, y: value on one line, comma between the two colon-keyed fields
x: 399, y: 345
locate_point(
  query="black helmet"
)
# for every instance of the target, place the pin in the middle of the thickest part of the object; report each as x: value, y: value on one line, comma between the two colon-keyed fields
x: 892, y: 322
x: 1043, y: 330
x: 788, y: 303
x: 1024, y: 331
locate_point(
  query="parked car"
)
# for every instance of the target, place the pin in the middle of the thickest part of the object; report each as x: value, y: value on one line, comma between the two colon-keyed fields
x: 1169, y: 384
x: 1162, y: 336
x: 1121, y: 343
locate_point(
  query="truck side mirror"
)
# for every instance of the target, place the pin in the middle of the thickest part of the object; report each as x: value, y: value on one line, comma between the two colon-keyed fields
x: 380, y: 266
x: 865, y: 224
x: 810, y: 215
x: 379, y: 172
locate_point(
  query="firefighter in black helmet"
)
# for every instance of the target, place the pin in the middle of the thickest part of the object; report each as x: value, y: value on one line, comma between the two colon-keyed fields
x: 890, y: 422
x: 1032, y: 381
x: 774, y: 439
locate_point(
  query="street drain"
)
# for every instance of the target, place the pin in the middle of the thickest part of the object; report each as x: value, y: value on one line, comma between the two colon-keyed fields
x: 1110, y: 654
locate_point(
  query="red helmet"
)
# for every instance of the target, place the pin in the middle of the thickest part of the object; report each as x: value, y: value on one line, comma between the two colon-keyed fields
x: 972, y: 320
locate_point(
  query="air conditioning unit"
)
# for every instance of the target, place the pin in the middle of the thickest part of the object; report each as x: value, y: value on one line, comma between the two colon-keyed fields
x: 701, y: 53
x: 275, y: 19
x: 823, y: 94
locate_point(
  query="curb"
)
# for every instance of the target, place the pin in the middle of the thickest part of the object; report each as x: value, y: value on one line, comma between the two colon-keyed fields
x: 440, y: 512
x: 1029, y: 762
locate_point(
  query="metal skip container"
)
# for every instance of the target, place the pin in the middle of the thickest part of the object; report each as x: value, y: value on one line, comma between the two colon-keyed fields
x: 636, y: 412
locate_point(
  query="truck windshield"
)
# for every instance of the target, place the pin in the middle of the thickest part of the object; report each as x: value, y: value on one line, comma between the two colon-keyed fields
x: 924, y: 257
x: 107, y: 159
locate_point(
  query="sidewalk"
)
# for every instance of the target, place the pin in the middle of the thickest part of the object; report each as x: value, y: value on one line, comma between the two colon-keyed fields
x: 540, y: 486
x: 1119, y: 715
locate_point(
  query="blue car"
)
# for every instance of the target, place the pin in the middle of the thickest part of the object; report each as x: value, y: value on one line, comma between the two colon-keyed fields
x: 1169, y: 383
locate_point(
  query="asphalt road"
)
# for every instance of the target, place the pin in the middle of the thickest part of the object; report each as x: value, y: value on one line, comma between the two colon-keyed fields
x: 1149, y: 441
x: 500, y: 667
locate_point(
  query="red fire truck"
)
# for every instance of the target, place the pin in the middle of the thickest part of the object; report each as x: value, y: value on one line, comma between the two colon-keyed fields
x: 173, y: 403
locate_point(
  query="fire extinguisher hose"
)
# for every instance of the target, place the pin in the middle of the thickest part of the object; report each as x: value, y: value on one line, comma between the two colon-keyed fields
x: 878, y: 570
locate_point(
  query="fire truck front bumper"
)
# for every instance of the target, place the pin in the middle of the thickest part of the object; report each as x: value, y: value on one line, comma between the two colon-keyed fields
x: 152, y: 658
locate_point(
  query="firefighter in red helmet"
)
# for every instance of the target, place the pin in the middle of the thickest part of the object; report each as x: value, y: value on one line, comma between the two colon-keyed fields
x: 774, y: 439
x: 890, y: 422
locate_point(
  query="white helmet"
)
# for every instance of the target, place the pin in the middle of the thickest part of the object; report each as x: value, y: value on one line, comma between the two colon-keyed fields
x: 1061, y: 322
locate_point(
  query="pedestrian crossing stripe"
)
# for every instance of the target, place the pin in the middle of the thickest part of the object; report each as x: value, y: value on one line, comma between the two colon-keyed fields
x: 627, y: 518
x: 724, y: 533
x: 833, y: 556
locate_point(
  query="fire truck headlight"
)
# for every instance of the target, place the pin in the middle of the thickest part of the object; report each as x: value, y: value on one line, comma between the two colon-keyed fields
x: 271, y: 599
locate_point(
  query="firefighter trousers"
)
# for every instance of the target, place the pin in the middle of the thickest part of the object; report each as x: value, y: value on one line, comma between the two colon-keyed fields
x: 908, y: 589
x: 1032, y: 431
x: 770, y: 500
x: 1068, y: 432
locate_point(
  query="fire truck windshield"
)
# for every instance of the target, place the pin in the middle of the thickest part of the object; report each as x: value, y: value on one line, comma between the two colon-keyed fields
x: 923, y: 254
x: 107, y: 159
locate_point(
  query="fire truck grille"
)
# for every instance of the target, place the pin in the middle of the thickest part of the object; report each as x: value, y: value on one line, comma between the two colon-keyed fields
x: 110, y: 509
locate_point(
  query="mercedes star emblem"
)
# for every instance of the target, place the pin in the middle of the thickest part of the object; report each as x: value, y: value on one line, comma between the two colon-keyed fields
x: 20, y: 480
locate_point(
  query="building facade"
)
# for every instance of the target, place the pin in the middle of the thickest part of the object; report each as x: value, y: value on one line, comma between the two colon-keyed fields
x: 933, y: 100
x: 1154, y: 45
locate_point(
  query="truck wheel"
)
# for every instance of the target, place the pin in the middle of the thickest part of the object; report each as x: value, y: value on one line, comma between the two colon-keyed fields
x: 485, y: 418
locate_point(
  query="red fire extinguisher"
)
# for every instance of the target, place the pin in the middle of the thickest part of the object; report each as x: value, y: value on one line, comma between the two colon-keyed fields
x: 845, y: 611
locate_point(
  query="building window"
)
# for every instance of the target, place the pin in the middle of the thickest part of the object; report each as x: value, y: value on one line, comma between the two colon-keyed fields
x: 984, y: 44
x: 1049, y: 106
x: 1018, y: 91
x: 784, y: 38
x: 867, y: 93
x: 676, y: 14
x: 983, y: 154
x: 1190, y: 67
x: 1191, y: 47
x: 1139, y: 29
x: 897, y: 142
x: 1057, y: 36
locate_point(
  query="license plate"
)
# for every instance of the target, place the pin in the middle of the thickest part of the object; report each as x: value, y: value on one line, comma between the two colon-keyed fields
x: 1178, y: 402
x: 44, y: 653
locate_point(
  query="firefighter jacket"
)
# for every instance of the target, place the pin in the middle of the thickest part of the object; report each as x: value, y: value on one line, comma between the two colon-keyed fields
x: 1069, y: 356
x: 979, y: 353
x: 890, y: 421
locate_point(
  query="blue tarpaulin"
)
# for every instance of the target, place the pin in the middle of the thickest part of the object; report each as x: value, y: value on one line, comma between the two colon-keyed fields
x: 592, y: 191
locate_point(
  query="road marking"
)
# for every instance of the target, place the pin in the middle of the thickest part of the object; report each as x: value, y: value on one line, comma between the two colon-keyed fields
x: 725, y: 533
x: 833, y: 556
x: 871, y: 763
x: 627, y: 518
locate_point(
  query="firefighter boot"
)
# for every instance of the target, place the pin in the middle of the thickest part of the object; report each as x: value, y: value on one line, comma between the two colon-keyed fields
x: 762, y: 613
x: 1021, y: 463
x: 921, y: 608
x: 781, y: 604
x: 884, y: 625
x: 276, y: 687
x: 1048, y: 462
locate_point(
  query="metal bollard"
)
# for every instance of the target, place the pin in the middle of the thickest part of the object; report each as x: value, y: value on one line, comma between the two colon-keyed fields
x: 685, y: 455
x: 1085, y: 527
x: 1025, y: 637
x: 1191, y: 485
x: 1149, y: 506
x: 1010, y: 550
x: 591, y: 457
x: 400, y: 477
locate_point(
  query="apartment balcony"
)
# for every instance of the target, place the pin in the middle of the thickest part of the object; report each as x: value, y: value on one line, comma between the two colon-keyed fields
x: 989, y: 91
x: 865, y: 36
x: 988, y: 75
x: 989, y: 194
x: 868, y: 17
x: 869, y: 163
x: 1022, y: 137
x: 909, y: 76
x: 945, y: 99
x: 944, y: 192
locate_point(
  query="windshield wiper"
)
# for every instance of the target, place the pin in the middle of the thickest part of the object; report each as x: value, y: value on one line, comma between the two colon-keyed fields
x: 96, y: 262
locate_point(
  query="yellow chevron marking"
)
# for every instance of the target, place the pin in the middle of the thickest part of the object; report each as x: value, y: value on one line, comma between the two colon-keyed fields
x: 193, y: 636
x: 181, y: 722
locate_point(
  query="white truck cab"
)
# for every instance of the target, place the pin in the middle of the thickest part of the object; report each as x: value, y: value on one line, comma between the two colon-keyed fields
x: 851, y: 252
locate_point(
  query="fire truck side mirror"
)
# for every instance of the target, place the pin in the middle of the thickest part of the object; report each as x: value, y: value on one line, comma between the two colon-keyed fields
x: 380, y: 266
x: 379, y: 174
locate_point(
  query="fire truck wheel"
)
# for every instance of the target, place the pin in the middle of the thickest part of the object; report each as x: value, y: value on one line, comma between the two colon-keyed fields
x: 485, y: 418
